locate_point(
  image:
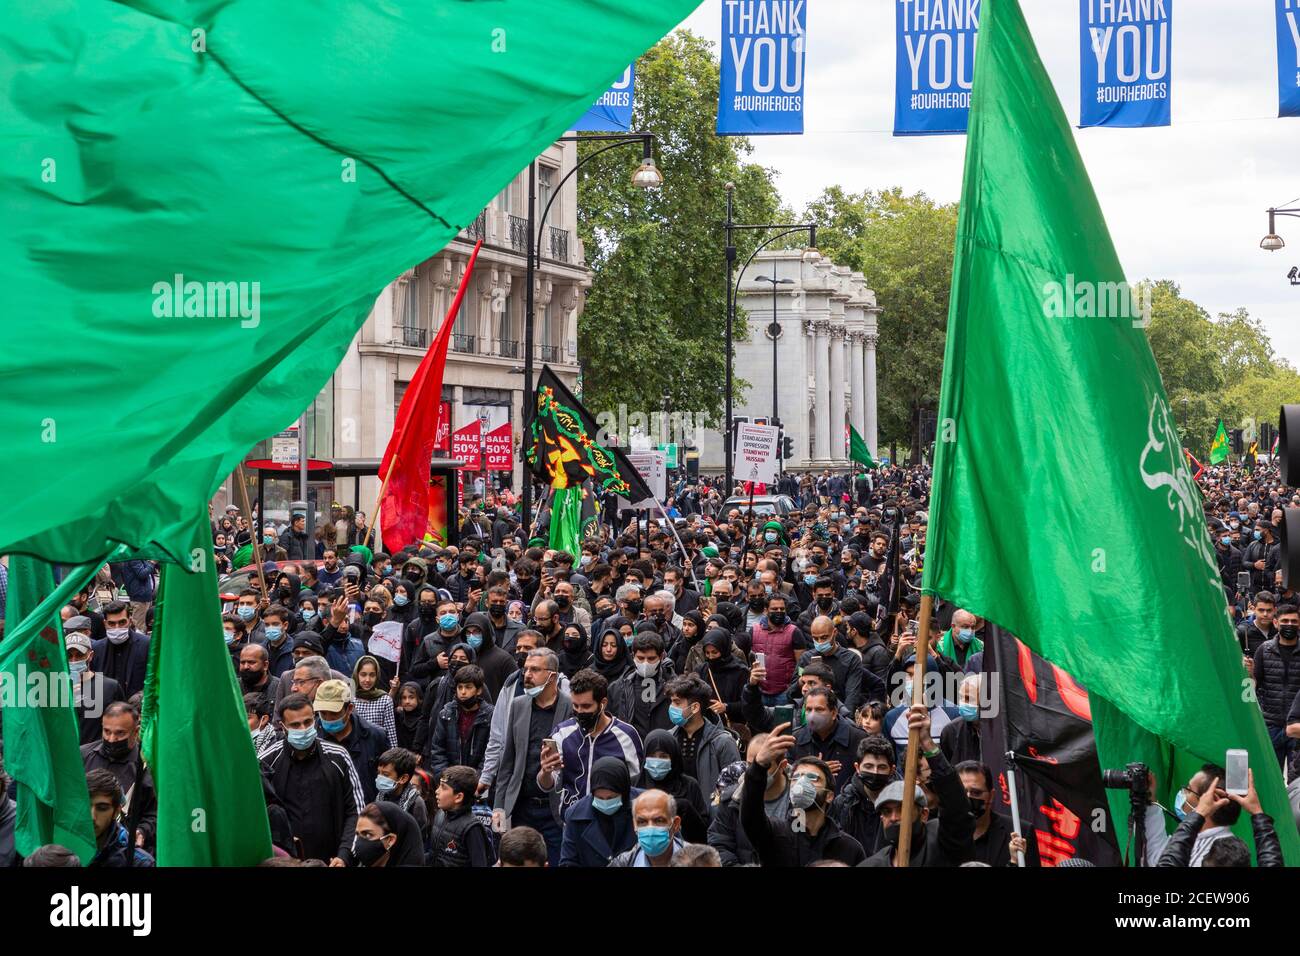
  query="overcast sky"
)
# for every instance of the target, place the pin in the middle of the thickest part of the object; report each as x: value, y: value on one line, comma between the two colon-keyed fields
x: 1184, y: 202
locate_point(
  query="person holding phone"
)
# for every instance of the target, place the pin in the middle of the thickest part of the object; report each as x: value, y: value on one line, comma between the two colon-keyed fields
x: 1208, y: 812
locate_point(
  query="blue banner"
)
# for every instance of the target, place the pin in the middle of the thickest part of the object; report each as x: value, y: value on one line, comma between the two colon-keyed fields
x: 1124, y: 62
x: 1288, y: 57
x: 763, y: 46
x: 934, y: 60
x: 612, y: 113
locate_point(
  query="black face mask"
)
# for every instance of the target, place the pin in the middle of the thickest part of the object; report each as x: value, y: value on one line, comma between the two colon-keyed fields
x: 373, y: 617
x: 634, y: 607
x: 976, y: 806
x: 368, y: 852
x: 825, y: 603
x: 428, y: 613
x: 250, y: 679
x: 468, y: 703
x: 892, y: 832
x: 1289, y: 631
x: 587, y: 720
x: 875, y: 782
x: 757, y: 604
x: 497, y: 610
x: 562, y: 601
x: 776, y: 617
x: 117, y: 749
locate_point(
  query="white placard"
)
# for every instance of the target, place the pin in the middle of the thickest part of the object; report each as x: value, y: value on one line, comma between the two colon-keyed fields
x: 757, y: 455
x: 650, y: 465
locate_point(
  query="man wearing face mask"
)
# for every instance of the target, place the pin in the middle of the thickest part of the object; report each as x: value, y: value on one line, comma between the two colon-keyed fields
x: 854, y: 685
x: 255, y: 672
x: 946, y: 841
x: 808, y: 834
x: 496, y: 664
x: 996, y: 842
x: 780, y: 642
x: 827, y: 736
x: 279, y: 644
x: 960, y: 739
x: 960, y: 642
x: 706, y: 748
x: 316, y: 783
x: 505, y: 631
x: 512, y: 692
x: 1277, y: 678
x: 592, y: 733
x: 638, y: 697
x: 854, y: 808
x: 118, y: 752
x: 439, y: 623
x: 363, y: 741
x: 91, y: 693
x: 124, y: 653
x: 658, y: 831
x: 518, y: 797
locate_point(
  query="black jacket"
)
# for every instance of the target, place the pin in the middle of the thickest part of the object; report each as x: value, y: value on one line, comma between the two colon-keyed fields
x: 947, y: 841
x: 364, y: 744
x: 778, y: 842
x: 446, y: 748
x: 1277, y: 680
x: 321, y: 793
x: 126, y: 663
x: 143, y: 798
x: 627, y: 704
x: 497, y: 664
x: 994, y: 847
x: 1178, y: 851
x: 854, y: 684
x: 841, y: 745
x: 460, y: 840
x: 855, y: 812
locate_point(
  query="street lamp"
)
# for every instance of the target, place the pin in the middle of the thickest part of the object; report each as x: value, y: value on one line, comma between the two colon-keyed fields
x: 774, y: 330
x: 646, y: 176
x: 1273, y: 242
x: 733, y: 282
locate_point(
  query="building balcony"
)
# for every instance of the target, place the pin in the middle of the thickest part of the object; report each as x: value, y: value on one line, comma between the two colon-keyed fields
x: 478, y: 228
x: 413, y: 336
x: 549, y: 353
x: 463, y: 343
x: 559, y: 243
x: 518, y: 233
x: 508, y: 348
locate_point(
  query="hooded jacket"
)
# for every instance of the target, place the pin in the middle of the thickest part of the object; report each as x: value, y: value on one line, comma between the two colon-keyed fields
x: 627, y: 699
x: 409, y: 848
x: 497, y: 664
x: 611, y: 670
x: 591, y: 837
x: 430, y: 643
x: 692, y: 806
x: 446, y: 746
x: 714, y: 749
x: 727, y: 675
x: 574, y: 656
x: 947, y: 841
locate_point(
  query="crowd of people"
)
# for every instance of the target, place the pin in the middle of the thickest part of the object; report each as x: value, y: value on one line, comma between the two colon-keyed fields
x: 734, y: 690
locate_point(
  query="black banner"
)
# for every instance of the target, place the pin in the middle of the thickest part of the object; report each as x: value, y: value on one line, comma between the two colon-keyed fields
x: 1042, y: 716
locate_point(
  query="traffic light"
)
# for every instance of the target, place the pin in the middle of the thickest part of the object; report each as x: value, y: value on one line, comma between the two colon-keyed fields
x: 1234, y: 441
x: 787, y: 447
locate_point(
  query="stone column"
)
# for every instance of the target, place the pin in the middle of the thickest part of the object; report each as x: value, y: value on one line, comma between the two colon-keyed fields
x: 869, y: 392
x: 837, y: 394
x: 824, y: 412
x: 857, y: 415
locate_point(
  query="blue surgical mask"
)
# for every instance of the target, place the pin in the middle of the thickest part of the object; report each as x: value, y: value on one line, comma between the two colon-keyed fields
x: 448, y: 622
x: 474, y: 640
x: 401, y: 600
x: 658, y: 767
x: 607, y: 805
x: 273, y: 632
x: 534, y: 691
x: 769, y: 536
x: 810, y: 579
x: 230, y: 639
x: 676, y: 715
x: 246, y: 612
x: 963, y: 635
x: 384, y: 784
x: 76, y: 668
x: 332, y: 726
x: 1226, y: 539
x: 969, y: 711
x: 309, y: 617
x: 388, y: 569
x: 1258, y: 534
x: 821, y: 648
x: 441, y: 566
x: 586, y: 560
x: 628, y: 640
x: 654, y: 840
x: 301, y: 739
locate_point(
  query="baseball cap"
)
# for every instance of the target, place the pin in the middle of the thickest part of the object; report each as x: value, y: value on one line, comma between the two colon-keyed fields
x: 78, y: 622
x: 77, y: 641
x: 332, y: 696
x: 893, y: 792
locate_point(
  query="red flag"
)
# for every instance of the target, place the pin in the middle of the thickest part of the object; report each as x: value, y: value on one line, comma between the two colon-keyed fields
x: 404, y: 505
x: 1200, y: 469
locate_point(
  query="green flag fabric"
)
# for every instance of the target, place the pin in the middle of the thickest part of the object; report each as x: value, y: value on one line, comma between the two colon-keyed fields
x: 41, y: 733
x: 566, y: 519
x: 858, y: 450
x: 211, y: 808
x: 1062, y: 508
x: 202, y: 202
x: 1219, y: 450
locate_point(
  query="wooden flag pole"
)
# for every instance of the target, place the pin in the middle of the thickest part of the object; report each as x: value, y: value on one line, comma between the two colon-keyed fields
x: 914, y: 741
x: 254, y: 532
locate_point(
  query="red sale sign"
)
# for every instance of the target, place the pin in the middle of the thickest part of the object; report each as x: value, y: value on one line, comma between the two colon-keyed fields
x: 500, y: 449
x: 442, y: 441
x: 465, y: 444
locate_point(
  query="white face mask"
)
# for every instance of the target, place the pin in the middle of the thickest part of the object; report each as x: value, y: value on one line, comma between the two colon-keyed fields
x: 118, y: 635
x: 646, y: 668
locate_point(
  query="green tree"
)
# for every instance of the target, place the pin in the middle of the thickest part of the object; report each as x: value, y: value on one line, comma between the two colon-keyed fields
x: 1187, y: 350
x: 903, y: 245
x: 655, y: 315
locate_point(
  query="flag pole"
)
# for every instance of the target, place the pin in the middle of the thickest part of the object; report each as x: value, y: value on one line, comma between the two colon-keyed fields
x: 686, y: 558
x: 1015, y: 801
x: 913, y: 734
x: 253, y: 531
x: 374, y: 515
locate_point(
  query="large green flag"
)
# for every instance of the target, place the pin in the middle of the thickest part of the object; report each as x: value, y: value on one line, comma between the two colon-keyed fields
x: 203, y: 200
x: 41, y: 736
x: 1062, y: 508
x: 858, y: 450
x: 211, y: 808
x: 1219, y: 450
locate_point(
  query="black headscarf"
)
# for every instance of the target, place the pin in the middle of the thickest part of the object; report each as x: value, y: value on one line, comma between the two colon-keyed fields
x: 409, y: 848
x: 698, y: 620
x: 574, y: 659
x: 734, y: 614
x: 408, y: 724
x: 675, y: 783
x: 611, y: 773
x: 612, y: 670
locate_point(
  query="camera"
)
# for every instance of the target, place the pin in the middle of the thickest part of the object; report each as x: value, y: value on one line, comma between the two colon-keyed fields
x: 1132, y: 778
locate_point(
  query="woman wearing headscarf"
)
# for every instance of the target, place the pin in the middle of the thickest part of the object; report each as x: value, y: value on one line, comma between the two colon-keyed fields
x: 692, y: 630
x: 599, y: 826
x: 403, y: 608
x: 370, y: 699
x: 611, y: 659
x: 663, y: 770
x: 575, y: 653
x: 387, y: 835
x: 726, y: 675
